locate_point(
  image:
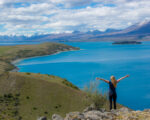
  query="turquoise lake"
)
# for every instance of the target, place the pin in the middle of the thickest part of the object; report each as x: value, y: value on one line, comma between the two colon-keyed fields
x: 101, y: 59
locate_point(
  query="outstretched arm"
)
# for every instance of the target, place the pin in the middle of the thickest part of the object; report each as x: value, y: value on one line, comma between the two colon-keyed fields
x: 107, y: 81
x: 122, y: 78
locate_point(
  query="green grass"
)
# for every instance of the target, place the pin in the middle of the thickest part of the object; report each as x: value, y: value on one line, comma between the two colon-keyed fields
x: 9, y: 53
x: 41, y: 95
x: 67, y: 83
x: 9, y: 106
x: 3, y: 49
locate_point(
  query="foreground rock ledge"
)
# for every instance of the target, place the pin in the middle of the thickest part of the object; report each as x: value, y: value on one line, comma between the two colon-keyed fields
x: 102, y: 114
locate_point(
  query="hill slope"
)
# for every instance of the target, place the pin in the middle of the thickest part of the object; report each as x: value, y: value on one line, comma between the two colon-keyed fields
x: 26, y: 95
x: 38, y: 95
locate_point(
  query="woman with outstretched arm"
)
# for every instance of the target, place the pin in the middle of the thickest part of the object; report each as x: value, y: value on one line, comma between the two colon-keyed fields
x: 112, y: 88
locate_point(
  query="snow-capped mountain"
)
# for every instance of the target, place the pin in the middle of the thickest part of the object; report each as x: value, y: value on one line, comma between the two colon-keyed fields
x: 139, y: 31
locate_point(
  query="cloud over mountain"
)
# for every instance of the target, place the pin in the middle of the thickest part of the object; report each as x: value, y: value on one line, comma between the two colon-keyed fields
x: 53, y: 16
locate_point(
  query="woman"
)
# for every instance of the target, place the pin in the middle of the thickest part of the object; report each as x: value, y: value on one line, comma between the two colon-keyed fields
x: 112, y: 88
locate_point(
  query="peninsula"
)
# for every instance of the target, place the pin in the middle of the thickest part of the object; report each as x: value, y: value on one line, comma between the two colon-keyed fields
x: 8, y: 54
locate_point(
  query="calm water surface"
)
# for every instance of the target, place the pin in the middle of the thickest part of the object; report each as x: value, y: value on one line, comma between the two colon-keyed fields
x: 101, y: 59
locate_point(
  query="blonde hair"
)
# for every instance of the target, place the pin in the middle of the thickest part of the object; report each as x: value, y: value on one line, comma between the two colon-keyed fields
x: 114, y: 81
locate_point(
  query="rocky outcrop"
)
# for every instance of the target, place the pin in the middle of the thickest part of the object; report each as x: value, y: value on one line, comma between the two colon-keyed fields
x: 102, y: 114
x: 56, y: 117
x: 42, y: 118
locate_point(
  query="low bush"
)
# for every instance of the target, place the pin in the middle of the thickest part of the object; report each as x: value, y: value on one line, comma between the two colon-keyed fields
x: 69, y: 84
x: 94, y: 95
x: 27, y: 97
x: 46, y: 112
x: 34, y: 108
x: 28, y: 73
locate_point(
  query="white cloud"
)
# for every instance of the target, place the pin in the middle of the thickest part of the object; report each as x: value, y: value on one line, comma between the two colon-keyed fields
x: 67, y: 15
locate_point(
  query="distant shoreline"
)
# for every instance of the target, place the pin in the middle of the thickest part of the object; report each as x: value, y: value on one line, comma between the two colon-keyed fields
x: 14, y: 62
x: 127, y: 43
x: 11, y: 55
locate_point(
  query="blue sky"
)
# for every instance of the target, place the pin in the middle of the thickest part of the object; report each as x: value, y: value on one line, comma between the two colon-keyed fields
x: 27, y: 17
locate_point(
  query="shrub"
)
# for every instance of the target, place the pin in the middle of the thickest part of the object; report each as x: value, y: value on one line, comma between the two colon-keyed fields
x: 56, y: 107
x: 5, y: 95
x: 17, y: 94
x: 47, y: 74
x: 9, y: 95
x: 28, y: 73
x: 59, y: 105
x: 27, y: 97
x: 69, y: 84
x: 16, y: 103
x: 15, y: 113
x: 34, y: 108
x: 20, y: 118
x: 52, y: 76
x: 46, y: 112
x: 94, y: 95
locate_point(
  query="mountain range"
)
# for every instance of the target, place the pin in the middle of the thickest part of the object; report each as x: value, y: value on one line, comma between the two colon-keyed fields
x: 139, y: 31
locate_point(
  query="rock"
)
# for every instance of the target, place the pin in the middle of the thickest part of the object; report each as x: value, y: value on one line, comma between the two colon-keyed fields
x: 56, y: 117
x: 120, y: 114
x: 89, y: 108
x: 132, y: 118
x: 102, y: 109
x: 74, y: 116
x: 98, y: 115
x: 147, y: 110
x: 113, y: 111
x: 124, y: 110
x: 42, y: 118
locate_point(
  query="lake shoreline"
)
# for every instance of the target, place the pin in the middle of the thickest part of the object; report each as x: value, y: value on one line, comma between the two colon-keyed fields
x: 14, y: 62
x: 11, y: 55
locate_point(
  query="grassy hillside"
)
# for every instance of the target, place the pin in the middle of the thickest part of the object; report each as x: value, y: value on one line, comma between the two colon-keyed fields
x: 11, y: 53
x: 27, y: 95
x: 37, y: 95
